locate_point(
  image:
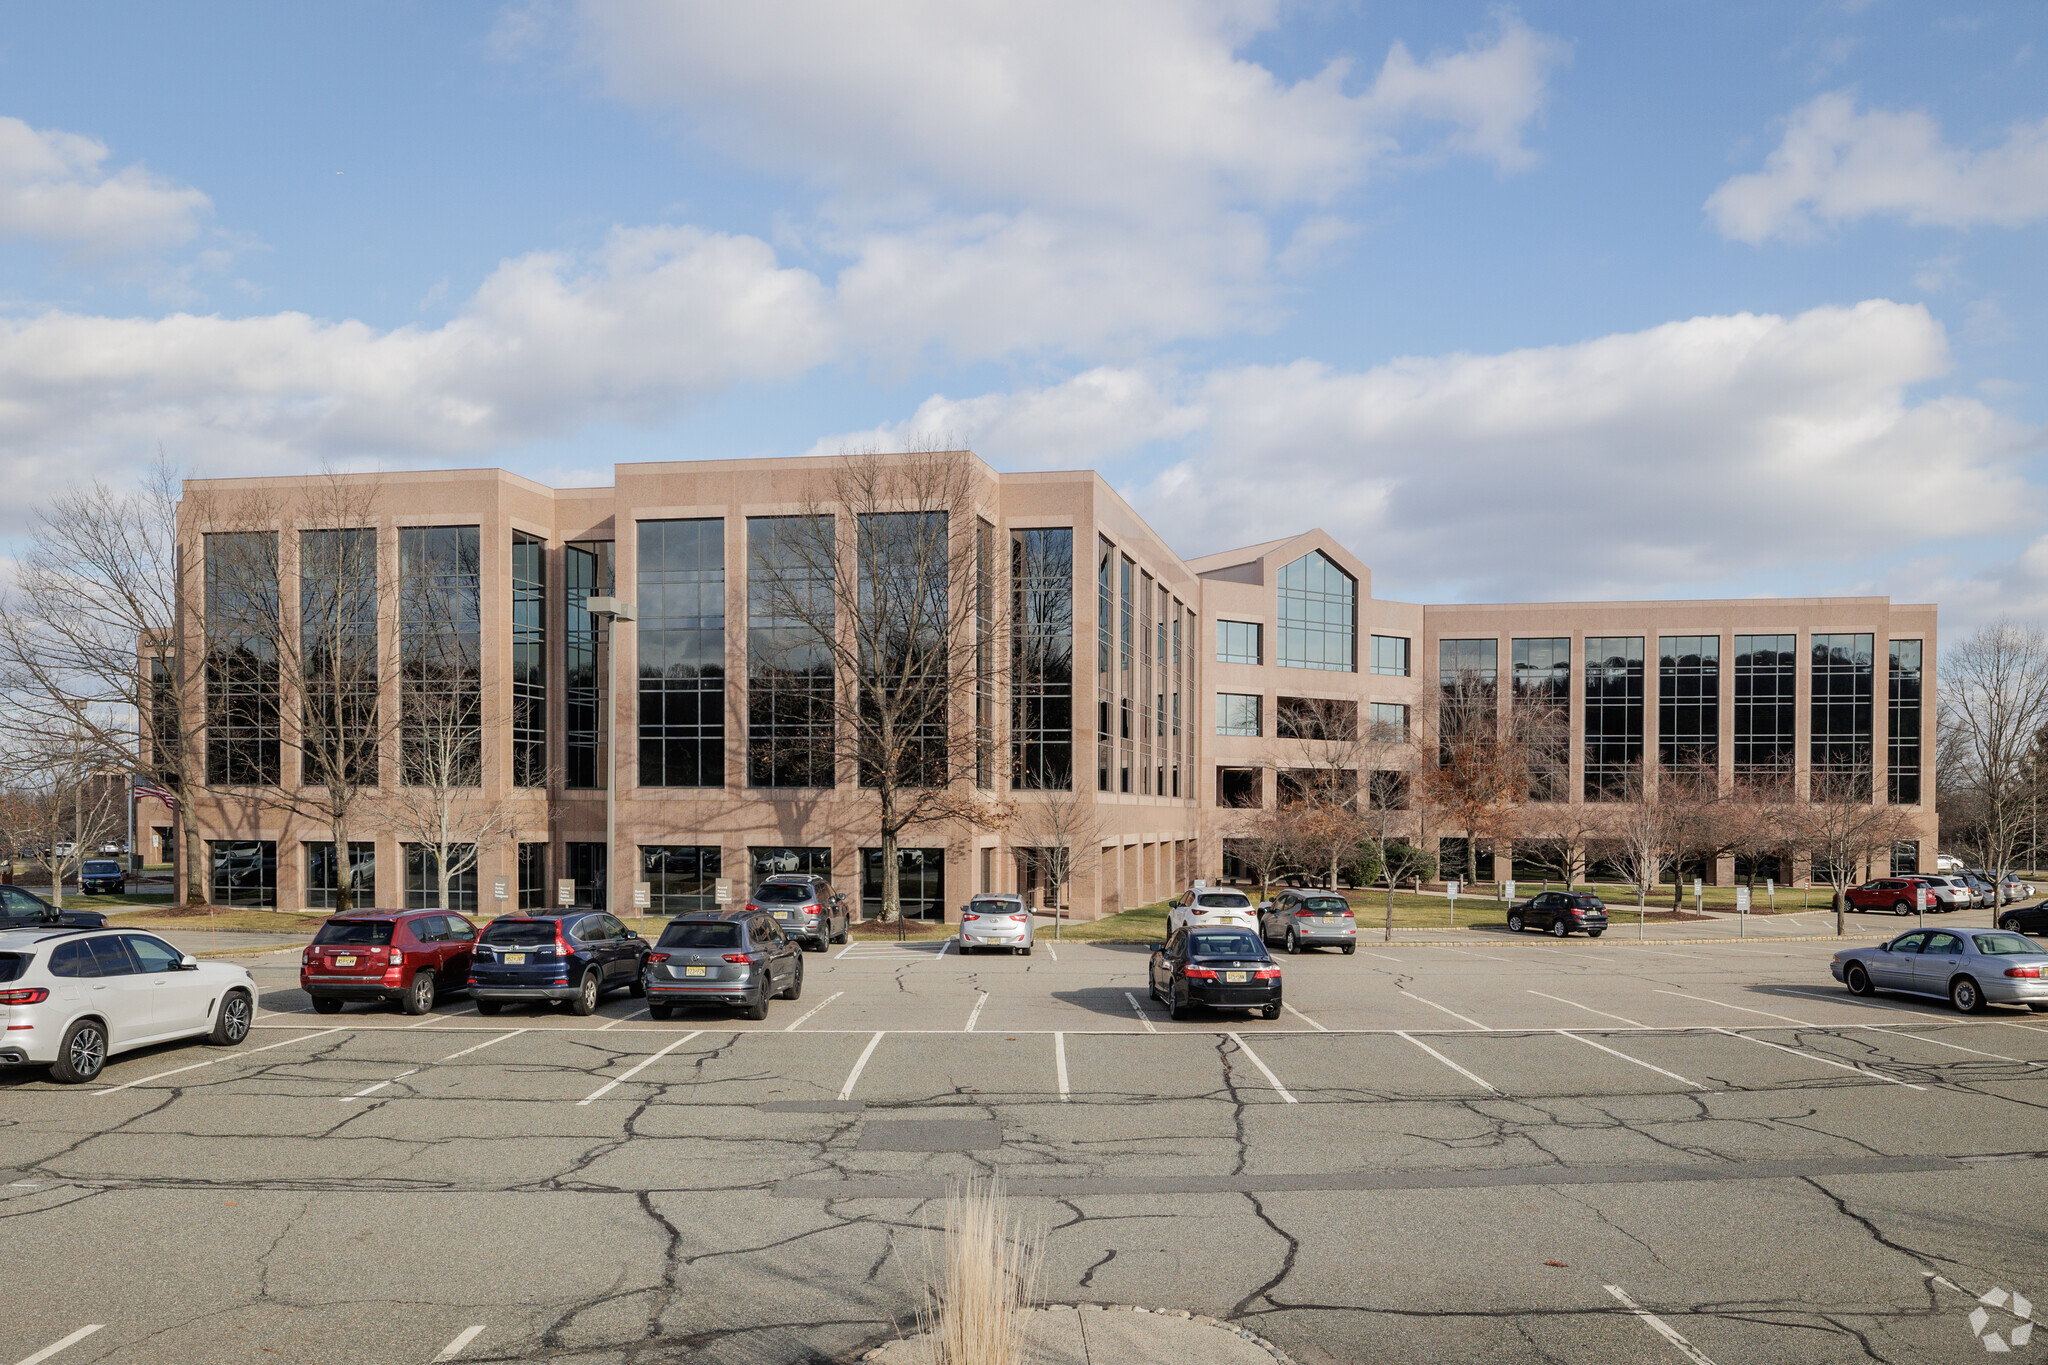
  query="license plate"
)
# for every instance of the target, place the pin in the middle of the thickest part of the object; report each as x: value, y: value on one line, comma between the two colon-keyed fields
x: 695, y: 971
x: 785, y: 914
x: 344, y: 962
x: 1235, y: 976
x: 515, y: 957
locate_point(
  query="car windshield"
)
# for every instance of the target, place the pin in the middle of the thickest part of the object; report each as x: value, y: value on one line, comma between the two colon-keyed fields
x: 1224, y: 900
x: 783, y: 893
x: 99, y: 869
x: 360, y: 933
x: 1224, y: 945
x: 1589, y: 902
x: 1326, y: 905
x: 700, y: 934
x: 12, y: 965
x: 2004, y: 945
x: 994, y: 907
x: 520, y: 933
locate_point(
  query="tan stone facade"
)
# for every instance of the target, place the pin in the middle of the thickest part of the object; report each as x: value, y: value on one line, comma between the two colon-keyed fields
x: 1145, y: 751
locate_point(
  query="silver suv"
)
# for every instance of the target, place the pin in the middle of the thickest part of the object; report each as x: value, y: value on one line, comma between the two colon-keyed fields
x: 805, y: 907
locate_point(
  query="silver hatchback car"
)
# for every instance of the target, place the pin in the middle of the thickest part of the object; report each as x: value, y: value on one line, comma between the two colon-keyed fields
x: 1969, y: 966
x: 996, y: 922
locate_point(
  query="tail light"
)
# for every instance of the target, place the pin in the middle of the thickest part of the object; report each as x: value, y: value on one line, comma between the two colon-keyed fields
x: 1201, y: 974
x: 396, y: 957
x: 2009, y: 971
x: 561, y: 944
x: 1021, y: 919
x: 1266, y: 973
x: 306, y: 958
x: 30, y: 995
x: 965, y: 918
x: 472, y: 981
x: 738, y: 957
x: 657, y: 957
x: 1305, y: 914
x: 752, y: 906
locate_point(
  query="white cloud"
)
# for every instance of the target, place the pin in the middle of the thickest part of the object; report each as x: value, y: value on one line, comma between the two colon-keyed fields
x: 1837, y: 164
x: 54, y: 188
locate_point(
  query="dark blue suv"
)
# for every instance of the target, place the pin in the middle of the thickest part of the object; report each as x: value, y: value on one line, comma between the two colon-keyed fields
x: 548, y: 955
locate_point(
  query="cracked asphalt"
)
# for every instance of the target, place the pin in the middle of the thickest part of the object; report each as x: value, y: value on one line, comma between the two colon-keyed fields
x: 1512, y: 1151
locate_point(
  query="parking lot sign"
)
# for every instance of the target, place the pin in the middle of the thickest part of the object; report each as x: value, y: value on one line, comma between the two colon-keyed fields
x: 722, y: 892
x: 499, y: 891
x: 642, y: 895
x: 565, y: 891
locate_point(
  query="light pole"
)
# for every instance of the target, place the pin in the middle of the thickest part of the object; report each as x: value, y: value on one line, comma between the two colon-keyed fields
x: 613, y: 610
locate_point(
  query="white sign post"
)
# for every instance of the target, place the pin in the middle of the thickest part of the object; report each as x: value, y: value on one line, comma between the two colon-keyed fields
x: 565, y: 892
x: 1507, y: 890
x: 721, y: 891
x: 1771, y: 890
x: 643, y: 896
x: 1697, y: 901
x: 1451, y: 890
x: 1920, y: 900
x: 499, y: 891
x: 1742, y: 911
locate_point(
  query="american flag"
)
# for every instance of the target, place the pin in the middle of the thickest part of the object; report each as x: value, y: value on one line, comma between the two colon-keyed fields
x: 169, y: 799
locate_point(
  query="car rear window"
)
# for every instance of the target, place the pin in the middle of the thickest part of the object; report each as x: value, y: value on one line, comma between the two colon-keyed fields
x: 1224, y: 900
x: 1224, y: 945
x: 1589, y: 902
x: 2003, y: 945
x: 98, y: 869
x: 520, y: 933
x: 783, y: 893
x: 700, y: 934
x: 359, y: 933
x: 1326, y: 905
x: 12, y: 965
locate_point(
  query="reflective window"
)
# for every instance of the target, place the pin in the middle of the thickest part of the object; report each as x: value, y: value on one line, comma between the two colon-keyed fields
x: 322, y: 875
x: 533, y: 876
x: 1843, y: 682
x: 682, y: 653
x: 1105, y: 697
x: 1468, y: 673
x: 1542, y: 703
x: 905, y: 562
x: 1390, y: 655
x: 338, y: 652
x: 791, y: 615
x: 244, y: 873
x: 242, y: 723
x: 920, y: 882
x: 587, y: 573
x: 529, y: 661
x: 682, y: 879
x: 1237, y: 642
x: 423, y: 877
x: 1689, y: 701
x: 1614, y: 715
x: 1237, y: 713
x: 1390, y: 722
x: 1766, y: 679
x: 1042, y: 659
x: 440, y: 640
x: 1903, y: 767
x: 1318, y: 616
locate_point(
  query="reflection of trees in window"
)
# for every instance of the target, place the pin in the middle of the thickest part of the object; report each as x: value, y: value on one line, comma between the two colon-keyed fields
x: 1240, y: 787
x: 1042, y: 659
x: 1689, y: 701
x: 1390, y: 655
x: 1843, y: 681
x: 529, y: 661
x: 789, y: 670
x: 1179, y: 680
x: 323, y: 875
x: 440, y: 656
x: 1766, y: 676
x: 1468, y: 674
x: 682, y: 879
x: 242, y: 721
x: 1105, y: 608
x: 338, y: 652
x: 1614, y: 714
x: 984, y: 654
x: 1542, y: 703
x: 1318, y: 616
x: 903, y: 593
x: 1145, y: 697
x: 921, y: 884
x: 1903, y: 770
x: 586, y: 573
x: 1389, y: 722
x: 1315, y: 718
x: 1237, y: 713
x: 682, y: 653
x: 1126, y: 676
x: 423, y: 878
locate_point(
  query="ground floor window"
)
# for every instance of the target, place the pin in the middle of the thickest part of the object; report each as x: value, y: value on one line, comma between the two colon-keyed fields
x: 1770, y: 868
x: 423, y: 878
x: 166, y: 842
x: 245, y: 873
x: 322, y: 885
x: 921, y: 882
x: 766, y: 862
x: 1905, y: 858
x: 1688, y: 868
x: 533, y: 876
x: 1450, y: 862
x: 1607, y: 863
x: 682, y: 879
x: 586, y: 869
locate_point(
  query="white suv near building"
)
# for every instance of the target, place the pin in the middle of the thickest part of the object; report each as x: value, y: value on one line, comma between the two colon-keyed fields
x: 1212, y: 908
x: 71, y: 998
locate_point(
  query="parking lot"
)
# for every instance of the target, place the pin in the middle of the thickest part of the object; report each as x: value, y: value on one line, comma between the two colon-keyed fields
x: 1509, y: 1150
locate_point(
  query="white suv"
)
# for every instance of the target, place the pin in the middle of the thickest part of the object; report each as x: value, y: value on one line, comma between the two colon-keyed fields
x: 71, y: 998
x: 1212, y: 908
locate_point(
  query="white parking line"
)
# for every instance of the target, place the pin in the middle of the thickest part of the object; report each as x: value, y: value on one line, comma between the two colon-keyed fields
x: 80, y: 1335
x: 125, y: 1085
x: 637, y: 1014
x: 791, y: 1027
x: 945, y: 947
x: 1589, y: 1009
x: 481, y: 1046
x: 1663, y: 1328
x: 1683, y: 995
x: 1844, y: 998
x: 1483, y: 1085
x: 1382, y: 956
x: 1054, y: 951
x: 844, y: 951
x: 373, y: 1089
x: 462, y: 1339
x: 1446, y: 1009
x: 1826, y: 1061
x: 853, y: 1076
x: 1637, y: 1060
x: 1139, y: 1010
x: 975, y: 1013
x: 1264, y: 1070
x: 629, y: 1075
x: 1059, y: 1063
x: 1896, y: 1031
x: 1305, y: 1019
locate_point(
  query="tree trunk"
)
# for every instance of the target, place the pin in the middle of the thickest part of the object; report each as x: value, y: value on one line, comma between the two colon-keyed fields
x: 344, y: 870
x: 442, y: 879
x: 892, y: 884
x: 1471, y: 857
x: 191, y: 852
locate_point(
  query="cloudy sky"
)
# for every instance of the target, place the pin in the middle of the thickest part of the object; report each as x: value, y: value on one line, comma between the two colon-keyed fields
x: 1522, y: 301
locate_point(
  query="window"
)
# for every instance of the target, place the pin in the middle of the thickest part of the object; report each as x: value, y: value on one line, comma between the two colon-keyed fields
x: 1318, y: 616
x: 790, y: 617
x: 1468, y: 674
x: 1237, y: 642
x: 1614, y: 715
x: 242, y: 721
x: 682, y: 653
x: 682, y: 879
x: 1183, y: 666
x: 423, y: 878
x: 533, y: 876
x: 1390, y: 722
x: 1766, y: 676
x: 338, y: 651
x: 1240, y: 787
x: 1542, y: 701
x: 1689, y: 702
x: 763, y: 863
x: 1903, y: 768
x: 1327, y: 788
x: 1390, y: 655
x: 1454, y: 863
x: 984, y: 655
x: 1386, y: 789
x: 587, y: 573
x: 1126, y: 677
x: 1842, y: 699
x: 905, y: 560
x: 1315, y: 718
x: 586, y: 871
x: 920, y: 882
x: 1042, y: 659
x: 1105, y: 699
x: 440, y: 637
x: 1905, y: 856
x: 1146, y: 696
x: 529, y: 661
x: 321, y: 875
x: 244, y: 873
x: 1237, y: 713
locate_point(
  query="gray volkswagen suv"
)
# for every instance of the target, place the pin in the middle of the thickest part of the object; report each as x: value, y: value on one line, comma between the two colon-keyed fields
x: 806, y: 907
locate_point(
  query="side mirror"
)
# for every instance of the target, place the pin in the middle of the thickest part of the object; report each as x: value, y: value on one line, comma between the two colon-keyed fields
x: 188, y: 963
x: 1157, y: 947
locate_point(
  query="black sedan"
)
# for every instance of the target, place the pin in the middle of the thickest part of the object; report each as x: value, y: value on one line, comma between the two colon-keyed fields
x: 1225, y: 967
x: 2026, y: 919
x: 21, y: 909
x: 1559, y: 913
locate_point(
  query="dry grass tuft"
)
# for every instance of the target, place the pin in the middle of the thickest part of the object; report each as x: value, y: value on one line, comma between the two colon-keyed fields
x: 986, y: 1276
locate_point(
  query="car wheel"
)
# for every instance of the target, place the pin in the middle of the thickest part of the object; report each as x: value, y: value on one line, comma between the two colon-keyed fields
x: 489, y: 1006
x: 323, y: 1005
x: 587, y: 993
x: 814, y: 945
x: 1174, y: 1009
x: 1558, y: 928
x: 2011, y: 922
x: 758, y: 1008
x: 659, y: 1011
x: 637, y: 987
x: 1965, y: 995
x: 232, y: 1024
x: 1269, y: 1012
x: 1293, y: 942
x: 82, y: 1055
x: 1595, y: 933
x: 1901, y: 908
x: 419, y: 996
x: 795, y: 989
x: 2037, y: 1006
x: 1350, y: 948
x: 1515, y: 924
x: 1027, y: 950
x: 1856, y: 979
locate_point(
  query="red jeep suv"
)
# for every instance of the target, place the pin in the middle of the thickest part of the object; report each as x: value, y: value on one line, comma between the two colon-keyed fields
x: 404, y: 955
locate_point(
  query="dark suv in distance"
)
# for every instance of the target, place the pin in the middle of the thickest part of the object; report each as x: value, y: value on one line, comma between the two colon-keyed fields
x: 405, y: 956
x: 743, y: 959
x: 1559, y: 913
x: 102, y: 877
x: 21, y: 909
x: 806, y: 907
x: 554, y: 955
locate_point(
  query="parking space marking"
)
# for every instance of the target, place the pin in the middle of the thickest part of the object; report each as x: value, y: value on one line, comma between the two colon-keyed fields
x: 1637, y: 1060
x: 1845, y: 998
x: 1446, y: 1009
x: 853, y: 1076
x: 1663, y: 1328
x: 975, y: 1013
x: 609, y: 1085
x: 462, y: 1339
x: 481, y: 1046
x: 1590, y: 1010
x: 1139, y: 1010
x: 1264, y: 1070
x: 636, y: 1014
x: 791, y: 1027
x: 1897, y: 1031
x: 1825, y: 1061
x: 175, y: 1071
x: 1059, y: 1063
x: 1483, y: 1085
x: 1685, y: 995
x: 373, y: 1089
x: 2007, y: 1023
x: 1305, y: 1019
x: 80, y: 1335
x: 1054, y: 951
x: 1381, y: 956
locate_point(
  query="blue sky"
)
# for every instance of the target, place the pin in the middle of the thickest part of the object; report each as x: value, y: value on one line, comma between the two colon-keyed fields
x: 1522, y: 302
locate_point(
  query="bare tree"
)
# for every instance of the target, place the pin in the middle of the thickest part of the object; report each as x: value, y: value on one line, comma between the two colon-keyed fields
x: 1843, y: 830
x: 1994, y: 710
x: 1482, y: 773
x: 1321, y: 753
x: 1560, y: 837
x: 1061, y: 832
x: 1688, y: 795
x: 1760, y: 820
x: 59, y: 801
x: 1642, y: 834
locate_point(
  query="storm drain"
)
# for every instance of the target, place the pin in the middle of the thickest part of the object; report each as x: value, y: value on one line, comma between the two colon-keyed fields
x: 930, y: 1135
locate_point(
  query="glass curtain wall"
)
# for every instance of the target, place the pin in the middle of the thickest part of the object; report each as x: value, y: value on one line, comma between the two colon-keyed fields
x: 1126, y: 675
x: 322, y: 875
x: 790, y: 617
x: 682, y: 879
x: 1843, y: 681
x: 1318, y: 616
x: 1614, y: 715
x: 1903, y: 769
x: 1146, y: 715
x: 984, y: 655
x: 1179, y: 678
x: 682, y: 652
x: 242, y: 717
x: 905, y: 563
x: 1766, y: 683
x: 244, y: 873
x: 1042, y: 659
x: 440, y: 641
x: 1543, y: 701
x: 1105, y: 607
x: 529, y: 661
x: 1689, y: 702
x: 587, y: 572
x: 338, y: 650
x: 1468, y: 681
